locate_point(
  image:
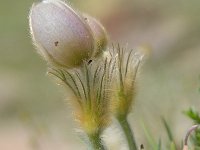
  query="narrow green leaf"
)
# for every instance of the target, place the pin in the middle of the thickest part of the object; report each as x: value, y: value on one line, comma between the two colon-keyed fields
x: 168, y: 130
x: 159, y: 144
x: 149, y: 137
x: 172, y: 146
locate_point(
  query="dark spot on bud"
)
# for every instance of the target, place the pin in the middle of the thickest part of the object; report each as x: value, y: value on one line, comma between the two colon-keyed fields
x: 141, y: 146
x: 89, y: 62
x: 56, y: 43
x: 85, y: 19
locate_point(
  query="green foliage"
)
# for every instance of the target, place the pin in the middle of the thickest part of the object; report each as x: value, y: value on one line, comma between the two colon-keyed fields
x: 169, y: 145
x: 159, y: 145
x: 150, y: 139
x: 195, y: 117
x: 172, y: 146
x: 170, y: 135
x: 168, y: 130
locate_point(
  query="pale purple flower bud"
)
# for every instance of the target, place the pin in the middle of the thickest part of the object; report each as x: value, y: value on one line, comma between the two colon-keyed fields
x: 60, y: 34
x: 99, y: 33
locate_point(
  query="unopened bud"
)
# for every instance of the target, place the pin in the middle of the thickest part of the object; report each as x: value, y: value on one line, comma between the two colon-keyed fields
x: 60, y: 34
x: 99, y: 33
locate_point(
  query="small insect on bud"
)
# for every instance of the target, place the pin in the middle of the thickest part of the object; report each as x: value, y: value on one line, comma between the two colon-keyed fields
x: 61, y: 35
x: 99, y: 33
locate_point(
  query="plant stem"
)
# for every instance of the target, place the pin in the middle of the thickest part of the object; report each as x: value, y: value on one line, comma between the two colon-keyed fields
x: 96, y: 142
x: 127, y: 132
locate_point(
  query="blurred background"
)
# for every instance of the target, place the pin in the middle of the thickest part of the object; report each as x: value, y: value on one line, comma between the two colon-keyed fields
x: 34, y: 114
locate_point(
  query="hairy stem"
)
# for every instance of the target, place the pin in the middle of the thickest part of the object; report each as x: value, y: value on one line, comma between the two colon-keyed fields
x: 96, y: 142
x: 127, y: 132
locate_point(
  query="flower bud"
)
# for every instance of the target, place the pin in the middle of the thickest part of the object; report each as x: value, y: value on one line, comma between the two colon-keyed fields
x: 124, y: 88
x: 61, y: 35
x: 99, y: 33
